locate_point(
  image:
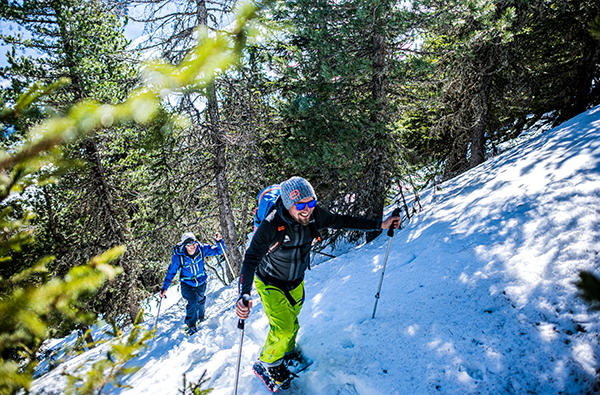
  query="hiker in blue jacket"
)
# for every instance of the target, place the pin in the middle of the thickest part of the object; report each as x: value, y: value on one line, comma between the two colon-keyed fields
x: 188, y: 258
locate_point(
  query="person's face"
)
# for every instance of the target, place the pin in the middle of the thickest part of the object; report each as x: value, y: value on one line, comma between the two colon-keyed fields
x: 190, y: 248
x: 302, y: 216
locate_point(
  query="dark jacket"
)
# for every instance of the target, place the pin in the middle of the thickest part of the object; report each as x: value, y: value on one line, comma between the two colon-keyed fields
x: 192, y: 267
x: 285, y: 264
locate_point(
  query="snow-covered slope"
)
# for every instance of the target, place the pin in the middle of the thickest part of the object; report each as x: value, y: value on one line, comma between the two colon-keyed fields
x: 478, y: 295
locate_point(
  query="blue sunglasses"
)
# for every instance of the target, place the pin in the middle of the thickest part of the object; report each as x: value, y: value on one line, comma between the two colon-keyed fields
x: 301, y: 206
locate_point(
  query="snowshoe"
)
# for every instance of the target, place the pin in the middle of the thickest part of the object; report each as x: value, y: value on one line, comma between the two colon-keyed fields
x: 275, y: 378
x: 190, y: 330
x: 296, y: 362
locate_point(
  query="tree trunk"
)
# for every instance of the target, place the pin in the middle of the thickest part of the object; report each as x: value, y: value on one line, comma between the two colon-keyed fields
x: 226, y: 218
x: 376, y: 180
x: 65, y: 35
x: 112, y: 233
x: 225, y: 212
x: 479, y: 127
x: 87, y: 336
x: 103, y: 195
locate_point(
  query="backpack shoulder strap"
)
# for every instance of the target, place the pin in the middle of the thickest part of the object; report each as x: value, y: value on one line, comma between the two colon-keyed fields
x: 182, y: 259
x: 279, y: 236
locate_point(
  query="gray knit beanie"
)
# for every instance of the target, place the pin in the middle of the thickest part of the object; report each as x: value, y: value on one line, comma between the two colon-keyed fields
x: 188, y: 237
x: 296, y: 189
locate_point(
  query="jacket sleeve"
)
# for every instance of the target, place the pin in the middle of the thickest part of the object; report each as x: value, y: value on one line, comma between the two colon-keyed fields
x: 209, y: 250
x: 326, y: 219
x: 172, y: 271
x: 256, y: 252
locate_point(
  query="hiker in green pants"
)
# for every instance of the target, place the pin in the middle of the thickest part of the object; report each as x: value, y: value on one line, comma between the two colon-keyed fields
x: 276, y: 260
x: 283, y: 319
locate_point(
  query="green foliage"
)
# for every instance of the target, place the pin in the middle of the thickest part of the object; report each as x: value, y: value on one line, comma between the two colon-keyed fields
x: 594, y: 27
x: 80, y: 44
x: 120, y: 192
x: 113, y: 368
x: 31, y: 299
x: 25, y: 312
x: 340, y: 81
x: 79, y: 40
x: 495, y: 68
x: 195, y: 388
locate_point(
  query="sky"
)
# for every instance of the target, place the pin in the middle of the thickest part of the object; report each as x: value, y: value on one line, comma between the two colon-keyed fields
x: 478, y: 295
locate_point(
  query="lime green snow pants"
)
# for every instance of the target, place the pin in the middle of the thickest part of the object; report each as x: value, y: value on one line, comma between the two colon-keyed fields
x: 283, y: 320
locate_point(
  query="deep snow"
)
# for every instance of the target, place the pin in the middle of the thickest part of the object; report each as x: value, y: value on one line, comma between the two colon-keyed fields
x: 478, y: 295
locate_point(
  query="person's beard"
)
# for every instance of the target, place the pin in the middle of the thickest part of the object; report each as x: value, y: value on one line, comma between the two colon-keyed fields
x: 303, y: 220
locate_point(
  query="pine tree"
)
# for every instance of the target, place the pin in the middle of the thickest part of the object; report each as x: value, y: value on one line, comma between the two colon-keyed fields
x: 30, y: 299
x: 495, y: 68
x: 82, y: 41
x: 215, y: 148
x: 339, y: 75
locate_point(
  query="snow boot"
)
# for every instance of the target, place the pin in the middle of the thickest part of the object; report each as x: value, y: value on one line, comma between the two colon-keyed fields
x: 281, y: 375
x: 275, y: 378
x: 293, y: 359
x: 190, y: 330
x: 296, y: 362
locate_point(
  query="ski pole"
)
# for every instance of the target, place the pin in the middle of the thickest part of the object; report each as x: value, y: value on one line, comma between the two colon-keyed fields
x: 246, y: 301
x: 390, y: 234
x: 227, y: 260
x: 158, y: 313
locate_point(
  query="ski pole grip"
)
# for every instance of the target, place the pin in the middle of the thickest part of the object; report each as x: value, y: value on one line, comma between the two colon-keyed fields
x: 391, y: 229
x: 246, y: 302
